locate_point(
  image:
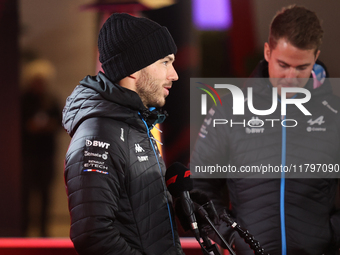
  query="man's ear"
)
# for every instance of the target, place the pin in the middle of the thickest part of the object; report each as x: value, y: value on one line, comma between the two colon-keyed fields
x: 130, y: 81
x: 266, y: 52
x: 135, y: 75
x: 317, y: 55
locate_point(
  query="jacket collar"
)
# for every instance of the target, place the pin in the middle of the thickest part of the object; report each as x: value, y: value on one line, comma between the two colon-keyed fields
x: 123, y: 97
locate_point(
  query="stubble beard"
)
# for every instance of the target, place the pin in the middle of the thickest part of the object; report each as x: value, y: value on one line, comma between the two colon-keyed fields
x: 149, y: 91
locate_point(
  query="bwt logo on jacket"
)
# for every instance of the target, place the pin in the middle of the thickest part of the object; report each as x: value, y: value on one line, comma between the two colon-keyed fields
x: 97, y: 144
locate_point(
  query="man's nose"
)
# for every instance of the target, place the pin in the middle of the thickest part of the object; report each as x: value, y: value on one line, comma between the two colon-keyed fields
x: 292, y: 73
x: 173, y: 76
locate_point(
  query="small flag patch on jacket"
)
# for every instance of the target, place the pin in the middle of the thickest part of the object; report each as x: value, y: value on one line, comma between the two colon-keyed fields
x: 95, y: 170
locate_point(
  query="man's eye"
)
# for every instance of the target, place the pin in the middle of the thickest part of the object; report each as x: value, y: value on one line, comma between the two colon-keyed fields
x: 283, y: 66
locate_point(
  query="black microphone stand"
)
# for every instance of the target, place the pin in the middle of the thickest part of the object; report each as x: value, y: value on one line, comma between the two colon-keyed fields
x: 209, y: 248
x: 248, y: 238
x: 204, y: 214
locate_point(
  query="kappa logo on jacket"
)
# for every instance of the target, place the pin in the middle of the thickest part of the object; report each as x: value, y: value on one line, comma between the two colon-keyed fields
x: 138, y: 148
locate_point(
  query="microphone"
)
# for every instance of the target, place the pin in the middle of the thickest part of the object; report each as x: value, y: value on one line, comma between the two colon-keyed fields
x: 200, y: 200
x: 178, y: 182
x: 205, y: 212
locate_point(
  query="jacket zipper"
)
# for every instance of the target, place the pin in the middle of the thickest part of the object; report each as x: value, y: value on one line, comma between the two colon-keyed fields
x: 283, y: 186
x: 282, y: 190
x: 164, y: 186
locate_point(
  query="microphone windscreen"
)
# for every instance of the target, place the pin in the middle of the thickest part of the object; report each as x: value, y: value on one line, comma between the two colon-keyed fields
x: 177, y: 178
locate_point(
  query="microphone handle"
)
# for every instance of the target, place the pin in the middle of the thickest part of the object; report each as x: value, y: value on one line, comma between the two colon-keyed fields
x: 188, y: 208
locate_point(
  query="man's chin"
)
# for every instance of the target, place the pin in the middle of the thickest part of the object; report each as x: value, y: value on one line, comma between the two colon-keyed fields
x: 157, y: 105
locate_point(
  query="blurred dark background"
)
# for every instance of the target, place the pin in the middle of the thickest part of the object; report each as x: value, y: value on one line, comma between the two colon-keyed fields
x: 61, y: 36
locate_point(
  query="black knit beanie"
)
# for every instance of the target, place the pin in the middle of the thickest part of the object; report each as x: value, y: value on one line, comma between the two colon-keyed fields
x: 128, y: 44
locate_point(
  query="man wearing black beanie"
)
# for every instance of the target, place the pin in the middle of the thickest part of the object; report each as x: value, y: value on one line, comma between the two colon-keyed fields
x: 114, y: 172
